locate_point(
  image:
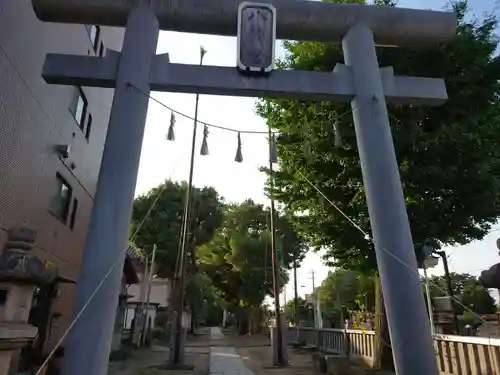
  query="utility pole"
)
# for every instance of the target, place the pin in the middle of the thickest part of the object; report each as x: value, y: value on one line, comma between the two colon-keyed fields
x: 177, y: 354
x: 339, y: 300
x: 296, y: 296
x: 282, y: 267
x: 316, y: 313
x: 313, y: 299
x: 280, y: 357
x: 138, y: 314
x: 429, y: 301
x: 148, y: 296
x: 313, y: 284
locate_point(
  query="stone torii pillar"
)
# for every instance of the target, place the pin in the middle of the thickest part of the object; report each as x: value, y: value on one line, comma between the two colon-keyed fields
x: 89, y: 342
x: 360, y: 82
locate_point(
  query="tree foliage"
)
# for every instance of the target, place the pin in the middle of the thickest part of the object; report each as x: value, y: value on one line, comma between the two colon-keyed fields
x: 238, y: 259
x: 344, y: 291
x: 467, y: 289
x: 305, y: 311
x: 448, y: 156
x: 204, y: 296
x: 162, y: 226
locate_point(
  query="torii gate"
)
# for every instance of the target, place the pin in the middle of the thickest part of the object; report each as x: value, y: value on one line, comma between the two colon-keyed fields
x: 360, y: 81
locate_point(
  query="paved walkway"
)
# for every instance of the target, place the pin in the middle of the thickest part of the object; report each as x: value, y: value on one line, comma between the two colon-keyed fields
x: 224, y: 360
x: 216, y: 333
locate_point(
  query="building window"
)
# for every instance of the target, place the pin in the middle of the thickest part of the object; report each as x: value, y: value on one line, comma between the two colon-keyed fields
x: 62, y: 199
x: 89, y: 126
x: 93, y: 32
x: 73, y: 214
x: 79, y: 107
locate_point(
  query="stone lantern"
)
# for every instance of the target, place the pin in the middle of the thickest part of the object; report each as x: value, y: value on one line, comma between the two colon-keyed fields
x: 20, y: 273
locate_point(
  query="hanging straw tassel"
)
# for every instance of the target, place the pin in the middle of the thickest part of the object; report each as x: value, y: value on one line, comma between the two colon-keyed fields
x: 203, y: 52
x: 204, y: 145
x: 171, y: 134
x: 273, y: 153
x: 239, y: 156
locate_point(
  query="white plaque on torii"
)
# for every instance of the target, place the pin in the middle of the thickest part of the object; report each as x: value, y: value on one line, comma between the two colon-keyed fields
x: 256, y: 37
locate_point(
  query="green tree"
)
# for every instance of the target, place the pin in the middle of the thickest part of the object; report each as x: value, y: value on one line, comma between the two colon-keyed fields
x: 205, y: 299
x: 157, y: 218
x: 238, y: 259
x: 305, y: 311
x: 344, y: 291
x: 448, y: 156
x: 467, y: 289
x: 162, y: 226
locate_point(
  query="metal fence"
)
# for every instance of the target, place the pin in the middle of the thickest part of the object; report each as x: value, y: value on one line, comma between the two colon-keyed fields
x: 460, y: 355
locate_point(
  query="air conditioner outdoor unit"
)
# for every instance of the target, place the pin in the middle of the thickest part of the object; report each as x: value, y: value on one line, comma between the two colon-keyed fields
x: 63, y: 151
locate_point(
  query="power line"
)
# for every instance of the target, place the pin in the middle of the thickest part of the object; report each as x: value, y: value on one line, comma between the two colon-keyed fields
x: 106, y: 275
x: 391, y: 254
x: 319, y: 191
x: 209, y: 125
x: 192, y: 118
x: 51, y: 120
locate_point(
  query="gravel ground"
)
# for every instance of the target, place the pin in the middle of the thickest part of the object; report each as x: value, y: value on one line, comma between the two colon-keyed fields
x: 258, y: 358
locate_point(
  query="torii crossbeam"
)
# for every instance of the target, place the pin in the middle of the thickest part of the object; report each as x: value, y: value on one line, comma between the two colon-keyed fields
x: 137, y: 70
x: 337, y: 86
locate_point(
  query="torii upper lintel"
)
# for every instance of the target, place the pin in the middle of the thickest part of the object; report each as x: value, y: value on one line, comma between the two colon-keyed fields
x: 298, y: 20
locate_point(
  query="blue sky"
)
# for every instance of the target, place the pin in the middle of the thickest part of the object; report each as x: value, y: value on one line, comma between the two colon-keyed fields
x: 238, y: 181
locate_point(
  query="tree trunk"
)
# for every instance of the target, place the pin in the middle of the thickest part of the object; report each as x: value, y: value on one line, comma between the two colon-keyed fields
x: 242, y: 321
x: 383, y: 352
x: 250, y: 321
x: 193, y: 319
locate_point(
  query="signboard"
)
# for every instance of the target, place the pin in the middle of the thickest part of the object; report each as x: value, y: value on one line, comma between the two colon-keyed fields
x: 256, y: 37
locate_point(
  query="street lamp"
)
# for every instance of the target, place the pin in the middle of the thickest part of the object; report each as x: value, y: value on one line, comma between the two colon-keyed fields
x: 428, y: 251
x: 429, y: 262
x: 449, y: 288
x: 176, y: 359
x: 279, y: 359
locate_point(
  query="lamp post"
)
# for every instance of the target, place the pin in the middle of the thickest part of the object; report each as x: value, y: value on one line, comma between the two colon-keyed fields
x: 296, y: 297
x: 145, y: 312
x: 279, y: 359
x: 449, y: 289
x: 176, y: 355
x: 428, y: 251
x: 429, y: 262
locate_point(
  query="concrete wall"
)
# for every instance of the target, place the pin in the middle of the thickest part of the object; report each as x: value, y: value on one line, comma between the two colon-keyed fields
x: 160, y: 292
x: 34, y: 117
